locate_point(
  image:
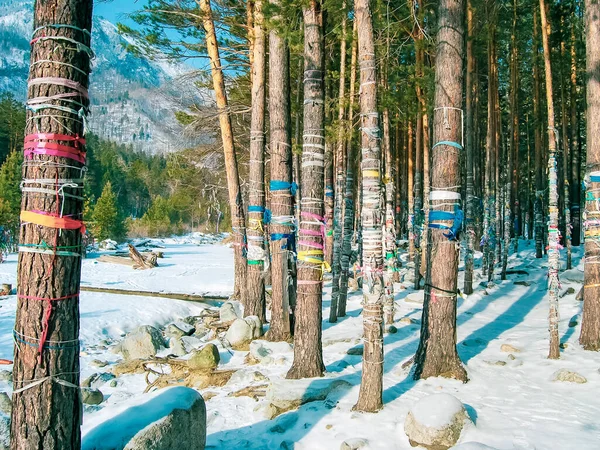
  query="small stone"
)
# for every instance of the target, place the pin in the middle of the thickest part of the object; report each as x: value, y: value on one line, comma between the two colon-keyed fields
x: 98, y: 363
x: 569, y: 376
x: 355, y: 351
x: 572, y: 324
x: 5, y: 403
x: 90, y: 396
x: 511, y: 357
x: 97, y: 379
x: 570, y: 291
x: 563, y: 345
x: 206, y: 359
x: 328, y: 426
x: 391, y: 329
x: 408, y: 321
x: 355, y: 444
x: 6, y: 375
x: 113, y: 384
x: 507, y: 348
x: 496, y: 363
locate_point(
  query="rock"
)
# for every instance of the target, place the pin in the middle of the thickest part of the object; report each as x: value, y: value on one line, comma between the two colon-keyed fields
x: 228, y: 312
x: 98, y: 363
x: 355, y: 351
x: 91, y: 396
x: 391, y: 329
x: 5, y: 403
x: 116, y: 349
x: 127, y: 367
x: 113, y: 384
x: 246, y: 377
x: 415, y: 297
x: 107, y: 244
x: 167, y: 419
x: 143, y: 343
x: 4, y: 432
x: 239, y: 334
x: 6, y: 375
x: 435, y: 422
x: 206, y: 359
x: 265, y: 351
x: 496, y: 363
x: 355, y: 444
x: 511, y: 357
x: 176, y: 347
x: 569, y: 376
x: 507, y: 348
x: 97, y: 379
x: 183, y: 345
x: 179, y: 329
x: 284, y: 395
x: 256, y: 326
x: 563, y: 345
x: 407, y: 321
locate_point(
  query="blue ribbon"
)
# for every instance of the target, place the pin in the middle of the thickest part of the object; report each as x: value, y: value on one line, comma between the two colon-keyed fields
x: 290, y: 237
x: 450, y: 143
x: 278, y: 185
x: 256, y: 208
x: 457, y: 218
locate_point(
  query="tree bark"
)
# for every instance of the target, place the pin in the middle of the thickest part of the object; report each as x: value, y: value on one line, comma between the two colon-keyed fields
x: 575, y: 154
x: 470, y: 200
x: 553, y: 233
x: 308, y: 349
x: 340, y: 156
x: 282, y: 209
x: 590, y: 324
x: 350, y: 189
x: 236, y: 203
x: 437, y: 354
x: 46, y: 413
x: 565, y: 206
x: 371, y: 386
x: 539, y: 176
x: 257, y: 257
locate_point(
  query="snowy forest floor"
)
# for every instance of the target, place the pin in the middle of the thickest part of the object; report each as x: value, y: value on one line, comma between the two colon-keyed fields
x: 513, y: 402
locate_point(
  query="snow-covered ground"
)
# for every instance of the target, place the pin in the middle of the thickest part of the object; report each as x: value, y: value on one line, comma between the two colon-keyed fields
x: 513, y: 403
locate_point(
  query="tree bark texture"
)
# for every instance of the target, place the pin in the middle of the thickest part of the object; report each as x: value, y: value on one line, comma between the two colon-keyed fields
x: 437, y: 354
x: 236, y: 204
x: 575, y: 154
x: 47, y: 411
x: 257, y: 256
x: 371, y: 386
x: 553, y: 232
x: 539, y: 175
x: 281, y: 229
x: 308, y: 348
x: 590, y: 325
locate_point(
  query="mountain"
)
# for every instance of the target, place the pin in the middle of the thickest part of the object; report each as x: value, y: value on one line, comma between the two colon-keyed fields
x: 133, y: 99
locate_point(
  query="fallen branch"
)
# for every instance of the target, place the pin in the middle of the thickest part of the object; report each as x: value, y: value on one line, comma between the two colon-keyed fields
x: 213, y: 300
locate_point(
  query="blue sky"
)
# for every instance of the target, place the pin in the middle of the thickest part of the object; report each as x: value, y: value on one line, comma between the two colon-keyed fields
x: 115, y: 10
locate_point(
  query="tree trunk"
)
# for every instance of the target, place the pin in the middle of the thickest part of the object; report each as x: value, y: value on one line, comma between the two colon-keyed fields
x: 437, y: 354
x: 46, y: 412
x: 590, y: 324
x: 340, y: 177
x: 390, y: 227
x: 350, y: 185
x: 565, y: 148
x: 257, y: 257
x: 470, y: 200
x: 575, y: 155
x: 371, y: 386
x: 282, y: 225
x: 236, y: 204
x: 539, y: 177
x: 553, y: 233
x: 308, y: 349
x: 411, y: 225
x: 418, y: 217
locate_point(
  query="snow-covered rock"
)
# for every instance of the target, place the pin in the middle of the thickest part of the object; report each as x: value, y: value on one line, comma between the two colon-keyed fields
x: 168, y: 419
x: 229, y: 312
x: 436, y: 421
x: 256, y: 326
x: 239, y: 333
x: 183, y: 345
x: 507, y: 348
x: 107, y: 244
x: 569, y: 376
x: 285, y: 395
x: 205, y: 359
x: 179, y: 329
x: 266, y: 352
x: 246, y: 377
x: 142, y: 343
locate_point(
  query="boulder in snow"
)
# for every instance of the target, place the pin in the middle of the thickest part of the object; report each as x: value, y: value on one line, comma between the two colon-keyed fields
x: 239, y: 334
x: 142, y: 343
x: 435, y: 422
x: 507, y: 348
x: 246, y: 377
x: 179, y: 329
x: 266, y: 352
x: 229, y: 312
x: 185, y: 344
x: 284, y: 395
x: 167, y: 419
x: 91, y: 396
x: 256, y: 326
x: 355, y: 444
x: 569, y: 376
x: 206, y: 359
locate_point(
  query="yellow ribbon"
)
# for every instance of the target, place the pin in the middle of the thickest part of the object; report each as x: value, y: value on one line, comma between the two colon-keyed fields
x: 371, y: 173
x: 310, y: 256
x: 255, y: 225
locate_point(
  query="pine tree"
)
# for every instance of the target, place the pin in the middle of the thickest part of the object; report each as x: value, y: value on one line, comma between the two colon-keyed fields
x: 107, y: 223
x: 10, y: 193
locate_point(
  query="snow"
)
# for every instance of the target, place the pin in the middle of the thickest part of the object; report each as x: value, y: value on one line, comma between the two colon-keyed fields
x: 436, y: 411
x: 513, y: 403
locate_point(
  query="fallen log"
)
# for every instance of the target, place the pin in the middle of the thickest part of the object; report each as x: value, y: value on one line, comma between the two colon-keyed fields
x: 213, y: 300
x: 142, y: 262
x: 124, y: 260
